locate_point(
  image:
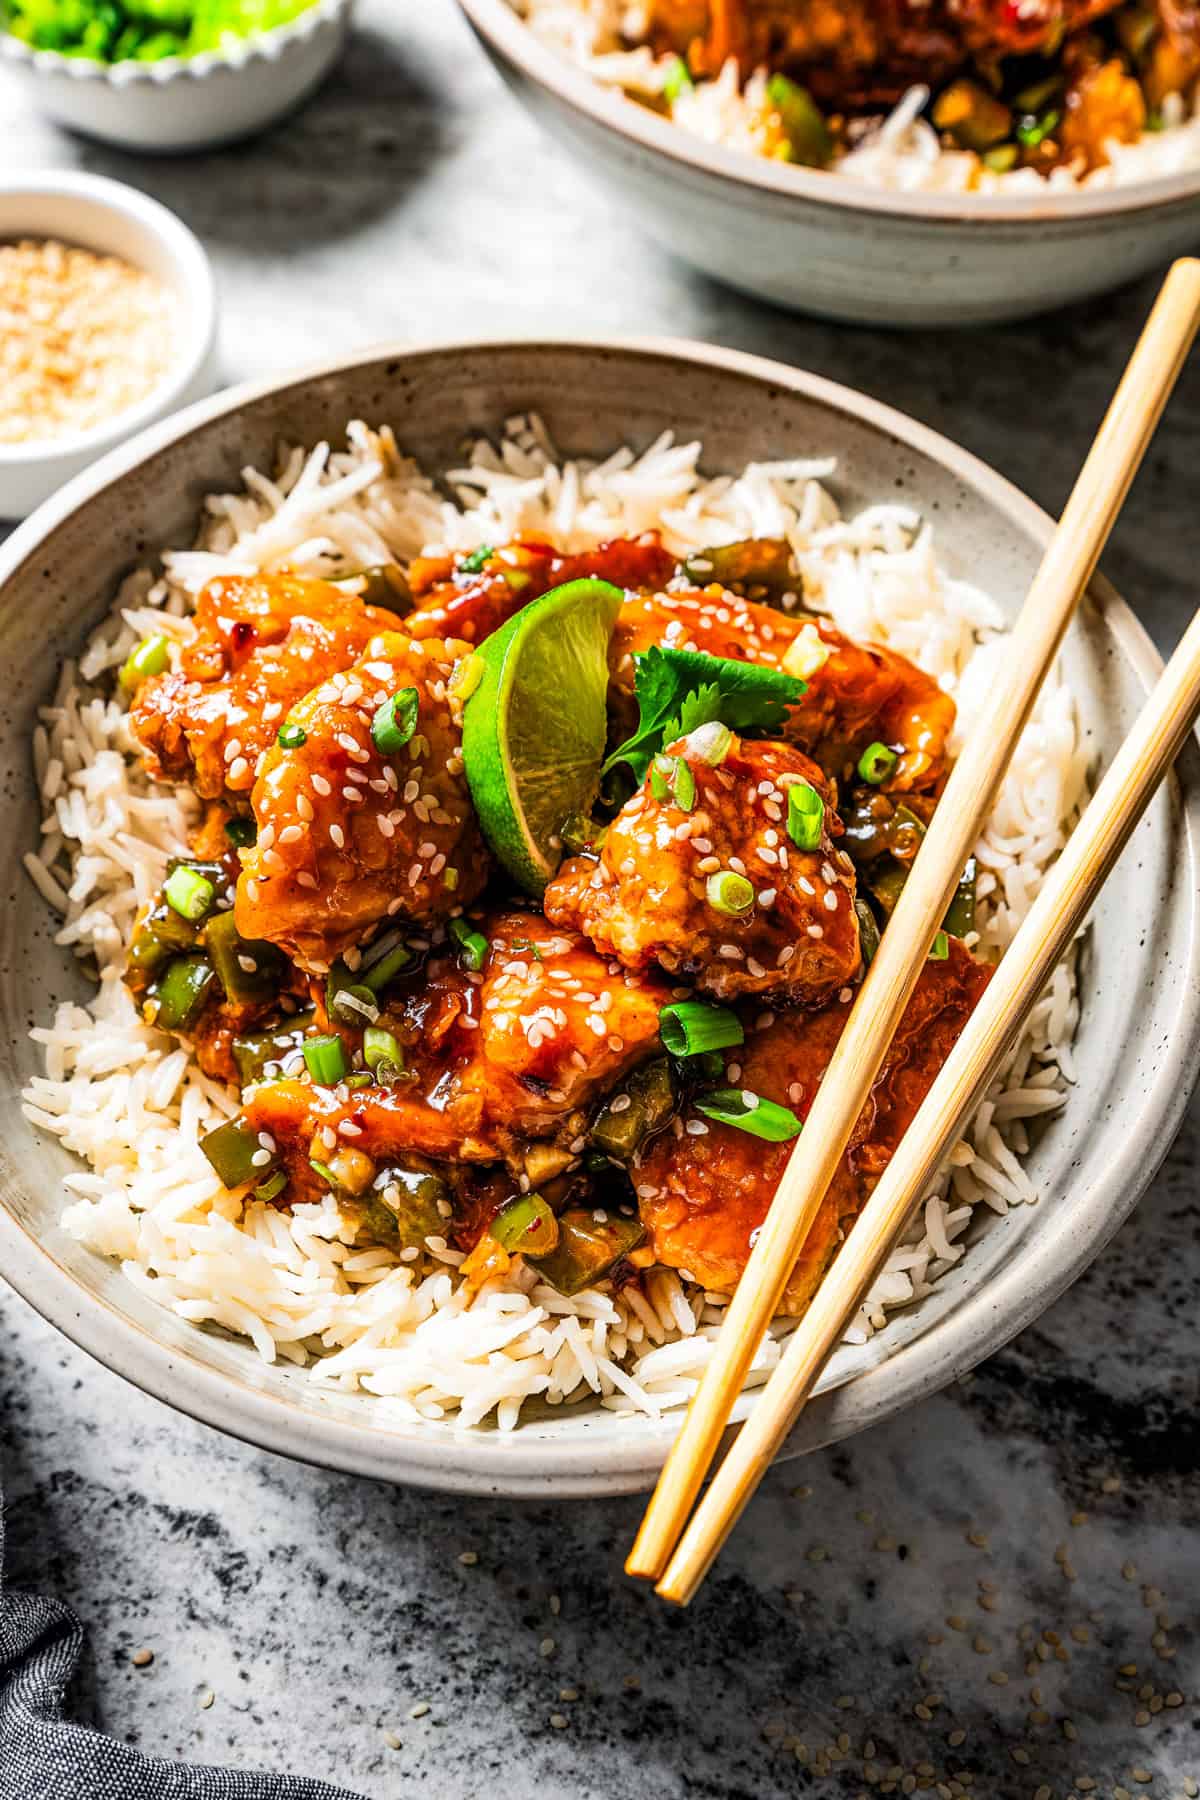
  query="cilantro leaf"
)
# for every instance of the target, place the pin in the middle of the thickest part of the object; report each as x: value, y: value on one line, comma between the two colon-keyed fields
x: 678, y: 690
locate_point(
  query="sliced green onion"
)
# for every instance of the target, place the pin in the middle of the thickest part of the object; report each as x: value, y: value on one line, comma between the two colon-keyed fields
x: 671, y: 779
x: 876, y: 763
x: 750, y: 1112
x: 939, y: 950
x: 729, y: 893
x: 806, y: 816
x: 272, y: 1187
x: 325, y: 1058
x: 188, y: 893
x: 290, y: 737
x: 352, y: 1004
x: 465, y: 677
x: 525, y: 1226
x: 868, y: 932
x: 678, y: 80
x: 472, y: 564
x: 711, y: 743
x: 324, y: 1171
x: 359, y: 1080
x: 382, y: 1054
x: 150, y: 657
x: 693, y: 1027
x: 472, y: 945
x: 386, y: 968
x: 241, y: 832
x: 1033, y: 131
x: 232, y: 1149
x: 395, y: 721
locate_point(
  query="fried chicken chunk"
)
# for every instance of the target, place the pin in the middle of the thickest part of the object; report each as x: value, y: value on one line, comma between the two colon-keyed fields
x: 856, y: 692
x: 520, y: 1050
x: 559, y: 1024
x: 261, y: 642
x: 704, y: 1193
x: 351, y: 834
x: 451, y: 602
x: 657, y: 892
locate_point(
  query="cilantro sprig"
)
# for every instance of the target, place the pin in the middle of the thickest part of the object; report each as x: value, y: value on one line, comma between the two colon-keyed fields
x: 679, y: 690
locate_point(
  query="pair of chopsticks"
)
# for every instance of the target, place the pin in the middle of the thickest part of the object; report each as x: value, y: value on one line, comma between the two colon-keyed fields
x: 678, y: 1563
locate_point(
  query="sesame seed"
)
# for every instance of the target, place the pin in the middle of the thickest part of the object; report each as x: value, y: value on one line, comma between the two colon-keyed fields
x: 392, y: 1741
x: 469, y: 1558
x: 206, y: 1699
x: 559, y: 1721
x: 141, y: 1659
x: 419, y: 1710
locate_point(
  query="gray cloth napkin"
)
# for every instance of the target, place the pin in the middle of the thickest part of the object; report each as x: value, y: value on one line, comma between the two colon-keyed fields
x: 44, y: 1757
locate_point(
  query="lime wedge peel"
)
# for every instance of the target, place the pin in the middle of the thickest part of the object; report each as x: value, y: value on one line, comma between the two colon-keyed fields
x: 534, y: 728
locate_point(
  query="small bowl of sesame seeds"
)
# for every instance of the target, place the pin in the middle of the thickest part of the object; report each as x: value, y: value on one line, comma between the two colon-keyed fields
x: 107, y: 323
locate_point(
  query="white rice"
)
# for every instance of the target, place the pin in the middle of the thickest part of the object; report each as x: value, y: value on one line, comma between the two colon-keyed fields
x: 131, y: 1104
x: 902, y: 152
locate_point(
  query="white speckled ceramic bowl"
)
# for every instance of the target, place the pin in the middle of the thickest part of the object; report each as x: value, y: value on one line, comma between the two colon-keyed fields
x: 1138, y: 1043
x: 106, y: 216
x: 186, y: 104
x: 822, y: 243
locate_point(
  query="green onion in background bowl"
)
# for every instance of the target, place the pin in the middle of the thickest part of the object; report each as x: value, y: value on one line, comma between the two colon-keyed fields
x: 171, y: 75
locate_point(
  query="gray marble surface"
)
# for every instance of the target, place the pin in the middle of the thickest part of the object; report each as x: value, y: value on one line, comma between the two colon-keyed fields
x: 1042, y: 1515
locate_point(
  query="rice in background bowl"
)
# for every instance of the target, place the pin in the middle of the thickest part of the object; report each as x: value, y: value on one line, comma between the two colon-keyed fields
x: 904, y: 255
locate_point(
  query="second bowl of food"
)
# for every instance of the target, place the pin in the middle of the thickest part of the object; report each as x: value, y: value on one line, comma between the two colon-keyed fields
x: 904, y: 164
x: 459, y: 792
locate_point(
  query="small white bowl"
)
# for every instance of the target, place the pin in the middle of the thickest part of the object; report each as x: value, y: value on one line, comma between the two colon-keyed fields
x: 106, y: 216
x: 186, y: 103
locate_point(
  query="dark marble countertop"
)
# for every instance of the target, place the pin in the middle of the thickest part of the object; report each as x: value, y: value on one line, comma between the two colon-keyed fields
x: 995, y: 1593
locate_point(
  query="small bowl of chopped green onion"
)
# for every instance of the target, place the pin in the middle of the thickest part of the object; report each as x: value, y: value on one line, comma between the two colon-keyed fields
x: 171, y: 75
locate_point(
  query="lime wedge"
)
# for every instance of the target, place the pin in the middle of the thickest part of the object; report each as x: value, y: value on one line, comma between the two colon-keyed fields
x: 534, y: 728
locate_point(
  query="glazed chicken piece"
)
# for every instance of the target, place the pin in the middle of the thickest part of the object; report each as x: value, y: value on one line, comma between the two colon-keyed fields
x: 856, y: 693
x: 856, y: 54
x: 655, y: 893
x: 351, y: 834
x: 704, y: 1193
x: 262, y: 641
x: 473, y: 604
x: 559, y: 1025
x: 517, y: 1051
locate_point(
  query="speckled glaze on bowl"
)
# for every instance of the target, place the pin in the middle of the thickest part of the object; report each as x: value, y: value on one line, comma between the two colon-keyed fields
x: 823, y: 243
x: 1138, y: 1044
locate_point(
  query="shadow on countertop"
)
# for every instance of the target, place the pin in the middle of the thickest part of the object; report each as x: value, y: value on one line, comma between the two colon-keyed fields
x: 953, y: 1596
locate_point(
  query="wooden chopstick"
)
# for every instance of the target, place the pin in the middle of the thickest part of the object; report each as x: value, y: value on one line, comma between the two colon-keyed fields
x: 1064, y: 572
x: 1052, y: 921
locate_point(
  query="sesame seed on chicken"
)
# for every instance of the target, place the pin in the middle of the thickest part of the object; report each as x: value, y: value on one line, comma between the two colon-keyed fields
x: 261, y: 643
x: 655, y: 893
x: 351, y: 834
x: 856, y: 693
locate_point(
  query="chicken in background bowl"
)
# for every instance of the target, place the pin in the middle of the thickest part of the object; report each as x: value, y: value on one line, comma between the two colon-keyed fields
x: 974, y: 96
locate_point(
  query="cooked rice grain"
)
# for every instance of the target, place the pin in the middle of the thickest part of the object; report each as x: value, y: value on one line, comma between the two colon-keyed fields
x: 131, y: 1105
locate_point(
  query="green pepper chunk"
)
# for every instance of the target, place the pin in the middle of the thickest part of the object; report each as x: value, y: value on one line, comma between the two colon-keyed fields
x: 160, y: 935
x: 809, y: 140
x: 407, y: 1208
x: 759, y: 568
x: 525, y: 1226
x: 257, y: 1054
x: 232, y: 1149
x: 587, y: 1249
x: 649, y: 1100
x: 250, y: 970
x: 179, y: 996
x: 960, y: 914
x: 150, y: 657
x: 868, y: 932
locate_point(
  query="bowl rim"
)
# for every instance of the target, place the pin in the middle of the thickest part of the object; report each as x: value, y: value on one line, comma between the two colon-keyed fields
x: 264, y: 46
x: 192, y: 275
x: 510, y: 37
x: 573, y: 1466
